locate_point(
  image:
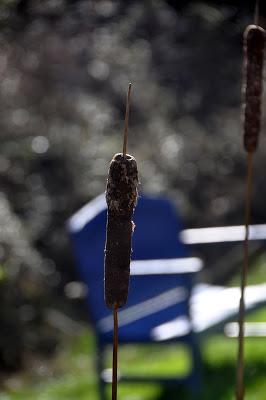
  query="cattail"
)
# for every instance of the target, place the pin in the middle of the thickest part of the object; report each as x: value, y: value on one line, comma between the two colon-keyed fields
x: 121, y: 198
x: 254, y: 39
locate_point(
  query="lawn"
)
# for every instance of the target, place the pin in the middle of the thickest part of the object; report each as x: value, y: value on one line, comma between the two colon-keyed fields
x: 71, y: 375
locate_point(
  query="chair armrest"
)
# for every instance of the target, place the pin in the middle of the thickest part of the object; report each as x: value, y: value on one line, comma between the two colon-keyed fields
x: 176, y: 266
x: 222, y: 234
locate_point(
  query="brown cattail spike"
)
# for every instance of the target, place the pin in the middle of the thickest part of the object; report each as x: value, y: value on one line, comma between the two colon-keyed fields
x: 254, y: 43
x: 121, y: 198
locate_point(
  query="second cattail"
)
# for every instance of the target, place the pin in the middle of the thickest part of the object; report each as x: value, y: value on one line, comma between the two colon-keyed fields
x: 254, y: 44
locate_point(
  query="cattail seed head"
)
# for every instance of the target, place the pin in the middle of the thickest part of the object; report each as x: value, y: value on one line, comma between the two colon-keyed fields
x: 254, y: 43
x: 121, y: 198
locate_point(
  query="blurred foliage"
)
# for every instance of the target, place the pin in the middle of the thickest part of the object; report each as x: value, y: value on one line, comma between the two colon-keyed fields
x: 65, y: 67
x: 22, y: 293
x: 73, y: 374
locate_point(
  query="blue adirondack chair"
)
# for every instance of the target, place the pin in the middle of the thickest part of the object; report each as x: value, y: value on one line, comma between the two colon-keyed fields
x: 162, y: 278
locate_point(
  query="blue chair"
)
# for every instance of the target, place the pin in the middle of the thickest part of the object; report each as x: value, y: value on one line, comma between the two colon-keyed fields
x: 162, y: 278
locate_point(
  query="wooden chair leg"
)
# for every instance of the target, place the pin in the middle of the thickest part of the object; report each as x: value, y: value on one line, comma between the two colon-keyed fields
x: 196, y: 377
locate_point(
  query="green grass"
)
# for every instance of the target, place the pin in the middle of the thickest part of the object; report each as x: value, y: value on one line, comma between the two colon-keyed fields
x: 71, y: 375
x: 74, y: 375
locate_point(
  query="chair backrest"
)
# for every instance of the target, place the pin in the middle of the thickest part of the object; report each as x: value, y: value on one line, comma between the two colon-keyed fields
x: 155, y: 237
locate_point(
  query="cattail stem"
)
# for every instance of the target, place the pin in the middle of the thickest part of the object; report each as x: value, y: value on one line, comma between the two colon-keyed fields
x: 115, y: 348
x: 241, y: 317
x: 126, y: 121
x: 257, y: 12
